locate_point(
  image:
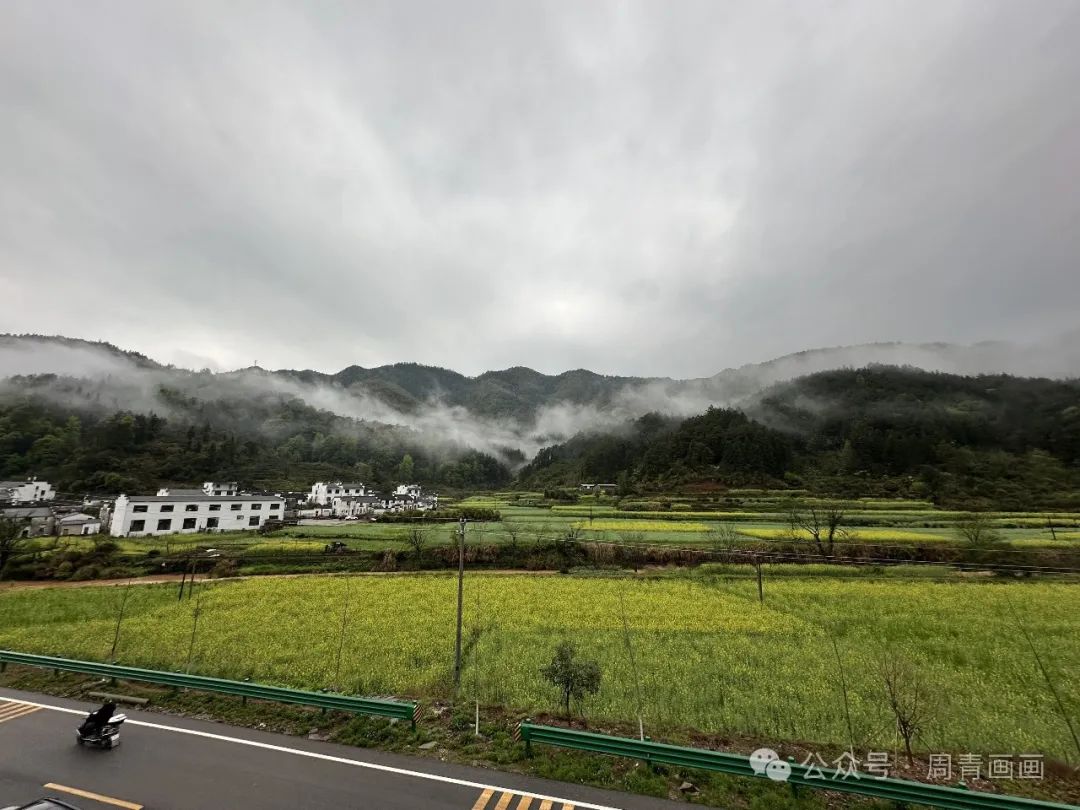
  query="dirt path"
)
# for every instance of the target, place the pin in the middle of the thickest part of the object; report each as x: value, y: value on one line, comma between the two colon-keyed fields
x: 158, y: 579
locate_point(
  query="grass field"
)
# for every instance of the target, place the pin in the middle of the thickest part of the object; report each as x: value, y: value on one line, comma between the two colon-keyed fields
x: 708, y: 655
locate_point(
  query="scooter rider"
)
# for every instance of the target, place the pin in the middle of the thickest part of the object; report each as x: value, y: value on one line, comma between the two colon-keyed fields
x: 97, y: 720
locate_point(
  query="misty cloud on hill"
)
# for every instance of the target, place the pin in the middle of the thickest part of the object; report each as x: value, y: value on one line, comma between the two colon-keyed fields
x: 103, y: 377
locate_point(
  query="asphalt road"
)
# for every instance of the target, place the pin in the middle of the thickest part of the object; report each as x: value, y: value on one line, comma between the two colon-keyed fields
x: 173, y: 763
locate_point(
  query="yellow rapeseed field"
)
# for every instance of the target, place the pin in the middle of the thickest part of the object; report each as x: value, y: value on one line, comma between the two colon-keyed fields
x: 708, y: 655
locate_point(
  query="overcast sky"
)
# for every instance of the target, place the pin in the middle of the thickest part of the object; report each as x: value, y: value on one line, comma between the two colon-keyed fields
x: 658, y: 188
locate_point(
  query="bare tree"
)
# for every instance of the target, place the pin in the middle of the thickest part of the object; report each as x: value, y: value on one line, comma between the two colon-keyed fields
x: 417, y: 539
x: 513, y: 536
x: 1050, y: 527
x: 907, y: 699
x: 977, y: 530
x: 632, y: 542
x: 11, y: 540
x: 1050, y: 684
x: 722, y: 537
x: 824, y: 522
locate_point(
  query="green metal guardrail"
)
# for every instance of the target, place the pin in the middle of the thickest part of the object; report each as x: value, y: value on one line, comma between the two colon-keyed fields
x: 901, y: 791
x: 400, y: 709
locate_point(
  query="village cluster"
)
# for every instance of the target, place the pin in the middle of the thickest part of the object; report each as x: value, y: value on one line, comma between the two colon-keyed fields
x: 218, y: 506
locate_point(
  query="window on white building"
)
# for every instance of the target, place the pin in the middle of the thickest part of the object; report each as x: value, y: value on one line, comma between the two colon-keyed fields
x: 164, y: 525
x: 138, y: 525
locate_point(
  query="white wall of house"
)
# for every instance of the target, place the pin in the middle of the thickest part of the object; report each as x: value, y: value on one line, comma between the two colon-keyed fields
x: 145, y: 515
x: 26, y: 491
x: 79, y: 525
x: 323, y: 493
x: 355, y: 506
x: 220, y: 488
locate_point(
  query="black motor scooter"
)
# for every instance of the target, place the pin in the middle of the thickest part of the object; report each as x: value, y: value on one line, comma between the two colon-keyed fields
x: 101, y: 729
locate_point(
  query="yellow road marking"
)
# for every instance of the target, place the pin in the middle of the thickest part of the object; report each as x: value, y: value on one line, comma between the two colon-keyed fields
x: 10, y: 712
x: 524, y: 803
x: 545, y: 804
x: 567, y: 806
x: 504, y: 800
x: 97, y: 797
x: 481, y: 803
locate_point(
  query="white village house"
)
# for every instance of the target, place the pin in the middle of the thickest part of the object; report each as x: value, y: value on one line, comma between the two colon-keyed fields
x: 145, y: 515
x: 32, y: 491
x: 323, y: 493
x: 32, y: 521
x: 410, y: 497
x: 79, y: 524
x: 214, y: 488
x: 354, y: 506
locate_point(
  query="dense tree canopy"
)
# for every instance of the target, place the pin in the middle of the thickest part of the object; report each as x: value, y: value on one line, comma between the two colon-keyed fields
x: 276, y: 446
x: 988, y: 440
x: 994, y: 440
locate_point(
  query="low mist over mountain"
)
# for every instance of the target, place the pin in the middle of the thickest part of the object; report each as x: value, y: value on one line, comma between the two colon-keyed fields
x: 94, y: 417
x: 509, y: 414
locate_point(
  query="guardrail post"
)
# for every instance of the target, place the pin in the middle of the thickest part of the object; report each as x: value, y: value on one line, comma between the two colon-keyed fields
x: 523, y: 734
x: 792, y: 785
x: 3, y: 666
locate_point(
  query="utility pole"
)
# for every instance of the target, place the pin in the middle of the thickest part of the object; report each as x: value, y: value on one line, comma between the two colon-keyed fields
x: 194, y: 628
x: 191, y: 582
x: 183, y: 582
x: 460, y: 600
x: 119, y: 619
x: 760, y: 587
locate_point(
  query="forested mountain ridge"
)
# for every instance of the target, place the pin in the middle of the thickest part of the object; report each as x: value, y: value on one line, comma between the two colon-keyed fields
x: 273, y: 446
x: 522, y: 394
x: 991, y: 440
x: 105, y: 418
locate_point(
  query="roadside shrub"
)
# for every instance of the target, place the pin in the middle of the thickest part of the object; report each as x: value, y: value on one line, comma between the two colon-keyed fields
x: 224, y: 568
x: 86, y: 572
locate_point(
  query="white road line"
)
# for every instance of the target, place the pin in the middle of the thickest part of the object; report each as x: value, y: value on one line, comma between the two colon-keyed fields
x: 328, y: 758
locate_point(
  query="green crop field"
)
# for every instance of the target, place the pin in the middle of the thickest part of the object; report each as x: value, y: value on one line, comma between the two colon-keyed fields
x: 708, y: 655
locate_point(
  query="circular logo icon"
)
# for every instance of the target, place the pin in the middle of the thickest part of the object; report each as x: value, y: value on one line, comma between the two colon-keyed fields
x: 760, y: 759
x: 778, y: 770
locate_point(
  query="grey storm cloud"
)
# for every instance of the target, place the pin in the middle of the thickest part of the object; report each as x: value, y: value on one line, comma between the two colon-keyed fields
x: 637, y: 188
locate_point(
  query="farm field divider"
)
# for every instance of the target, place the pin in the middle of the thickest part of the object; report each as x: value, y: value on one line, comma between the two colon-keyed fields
x: 399, y: 709
x: 900, y: 791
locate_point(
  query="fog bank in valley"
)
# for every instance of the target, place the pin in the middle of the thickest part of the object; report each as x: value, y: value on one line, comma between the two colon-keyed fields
x: 107, y: 379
